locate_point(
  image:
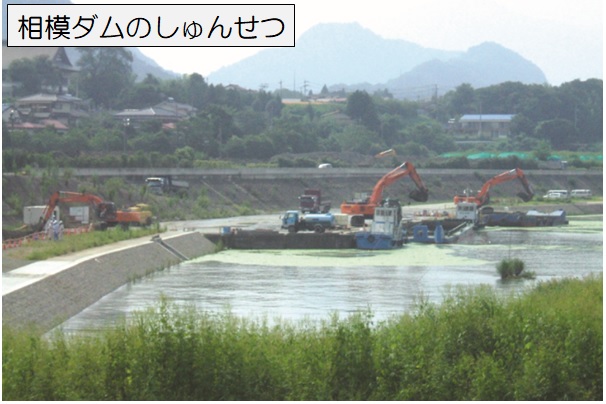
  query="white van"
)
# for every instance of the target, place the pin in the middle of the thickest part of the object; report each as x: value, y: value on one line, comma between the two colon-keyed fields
x: 580, y: 193
x: 325, y: 165
x: 556, y: 194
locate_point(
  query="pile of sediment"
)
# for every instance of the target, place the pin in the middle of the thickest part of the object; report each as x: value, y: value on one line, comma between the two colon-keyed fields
x: 49, y: 302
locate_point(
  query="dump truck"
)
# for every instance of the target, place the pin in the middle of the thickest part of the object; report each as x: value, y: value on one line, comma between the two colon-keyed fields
x: 311, y: 202
x: 166, y: 184
x: 294, y: 221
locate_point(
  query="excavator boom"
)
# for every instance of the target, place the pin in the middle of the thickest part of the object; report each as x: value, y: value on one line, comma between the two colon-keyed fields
x: 367, y: 208
x: 105, y: 211
x: 482, y: 197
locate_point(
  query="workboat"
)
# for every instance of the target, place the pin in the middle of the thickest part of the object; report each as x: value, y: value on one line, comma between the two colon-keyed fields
x: 437, y: 233
x: 386, y: 230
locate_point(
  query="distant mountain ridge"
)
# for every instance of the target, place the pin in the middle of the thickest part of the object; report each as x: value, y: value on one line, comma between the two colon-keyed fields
x: 349, y: 56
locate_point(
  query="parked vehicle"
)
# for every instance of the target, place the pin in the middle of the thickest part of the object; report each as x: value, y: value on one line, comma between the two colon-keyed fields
x: 165, y: 184
x: 580, y: 193
x: 293, y: 221
x: 555, y: 195
x: 311, y: 202
x: 563, y: 193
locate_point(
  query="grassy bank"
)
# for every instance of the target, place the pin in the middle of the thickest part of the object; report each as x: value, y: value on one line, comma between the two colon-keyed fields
x: 544, y: 345
x: 43, y: 249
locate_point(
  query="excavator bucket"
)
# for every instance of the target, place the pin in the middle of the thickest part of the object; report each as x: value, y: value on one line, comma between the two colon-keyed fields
x: 524, y: 196
x: 419, y: 195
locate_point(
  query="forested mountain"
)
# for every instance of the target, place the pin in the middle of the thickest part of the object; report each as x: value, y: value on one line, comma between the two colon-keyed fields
x: 481, y: 66
x: 351, y: 57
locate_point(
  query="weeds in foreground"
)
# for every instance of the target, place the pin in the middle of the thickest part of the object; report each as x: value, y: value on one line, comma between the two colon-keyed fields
x: 543, y: 345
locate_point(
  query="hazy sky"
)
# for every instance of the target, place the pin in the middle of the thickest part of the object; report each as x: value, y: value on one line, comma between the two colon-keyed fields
x: 564, y: 38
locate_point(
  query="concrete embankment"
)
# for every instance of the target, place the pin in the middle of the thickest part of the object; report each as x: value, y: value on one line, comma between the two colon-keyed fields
x: 53, y: 299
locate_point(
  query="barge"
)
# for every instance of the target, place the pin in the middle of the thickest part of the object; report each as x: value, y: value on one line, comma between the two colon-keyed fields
x: 532, y: 218
x: 273, y: 240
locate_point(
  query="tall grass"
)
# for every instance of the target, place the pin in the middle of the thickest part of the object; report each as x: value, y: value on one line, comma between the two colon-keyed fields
x: 544, y: 345
x: 44, y: 249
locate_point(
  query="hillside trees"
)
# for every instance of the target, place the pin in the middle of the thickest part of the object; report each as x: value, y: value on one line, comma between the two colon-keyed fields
x: 105, y: 73
x: 232, y: 122
x: 578, y: 102
x: 361, y: 108
x: 34, y: 75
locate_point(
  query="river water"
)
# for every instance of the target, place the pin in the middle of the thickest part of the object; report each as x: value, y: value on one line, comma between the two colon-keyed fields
x: 296, y: 285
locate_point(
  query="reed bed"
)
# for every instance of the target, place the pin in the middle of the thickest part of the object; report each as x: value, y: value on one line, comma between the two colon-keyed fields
x: 546, y: 344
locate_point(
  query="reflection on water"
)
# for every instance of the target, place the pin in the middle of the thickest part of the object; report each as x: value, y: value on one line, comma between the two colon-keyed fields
x: 313, y: 284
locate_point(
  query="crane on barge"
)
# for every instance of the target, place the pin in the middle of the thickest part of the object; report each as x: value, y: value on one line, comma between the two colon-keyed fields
x: 367, y: 207
x: 483, y: 196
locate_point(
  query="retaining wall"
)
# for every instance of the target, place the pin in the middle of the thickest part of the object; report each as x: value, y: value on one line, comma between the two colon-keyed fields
x: 47, y: 303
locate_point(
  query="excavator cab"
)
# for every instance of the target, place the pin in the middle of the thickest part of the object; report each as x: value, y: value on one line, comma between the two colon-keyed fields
x: 107, y: 211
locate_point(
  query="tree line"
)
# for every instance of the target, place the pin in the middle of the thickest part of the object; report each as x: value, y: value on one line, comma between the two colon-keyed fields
x: 240, y: 124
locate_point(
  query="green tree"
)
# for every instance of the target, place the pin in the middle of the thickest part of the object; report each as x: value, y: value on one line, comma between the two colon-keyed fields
x: 34, y: 75
x: 144, y: 94
x: 195, y: 90
x: 361, y: 108
x: 559, y: 132
x: 461, y: 100
x: 105, y: 73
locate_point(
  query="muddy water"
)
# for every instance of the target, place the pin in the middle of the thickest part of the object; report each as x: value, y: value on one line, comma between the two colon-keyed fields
x: 293, y: 285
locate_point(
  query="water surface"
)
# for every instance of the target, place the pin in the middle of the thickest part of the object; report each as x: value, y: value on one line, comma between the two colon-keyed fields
x: 293, y: 285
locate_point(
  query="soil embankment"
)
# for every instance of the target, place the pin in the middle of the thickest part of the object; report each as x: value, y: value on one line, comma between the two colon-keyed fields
x: 232, y: 194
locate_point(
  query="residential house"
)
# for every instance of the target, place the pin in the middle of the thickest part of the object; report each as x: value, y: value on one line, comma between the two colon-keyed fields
x: 58, y: 110
x: 167, y: 112
x: 483, y: 125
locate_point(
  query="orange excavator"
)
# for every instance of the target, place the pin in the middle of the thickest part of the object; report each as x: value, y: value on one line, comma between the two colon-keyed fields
x: 483, y: 197
x: 107, y: 215
x: 367, y: 207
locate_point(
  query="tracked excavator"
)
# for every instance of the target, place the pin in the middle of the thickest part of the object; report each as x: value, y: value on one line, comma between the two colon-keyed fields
x: 483, y: 196
x: 367, y: 207
x: 106, y: 213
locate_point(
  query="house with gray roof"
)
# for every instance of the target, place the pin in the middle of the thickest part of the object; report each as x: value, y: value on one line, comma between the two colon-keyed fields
x: 168, y: 112
x: 485, y: 125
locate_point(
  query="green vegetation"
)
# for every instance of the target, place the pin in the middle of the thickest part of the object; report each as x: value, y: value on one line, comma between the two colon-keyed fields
x: 43, y: 249
x: 513, y: 268
x: 546, y: 344
x: 244, y: 125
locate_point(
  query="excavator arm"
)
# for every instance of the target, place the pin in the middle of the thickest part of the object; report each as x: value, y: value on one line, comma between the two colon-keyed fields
x: 105, y: 210
x: 483, y: 196
x: 421, y: 194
